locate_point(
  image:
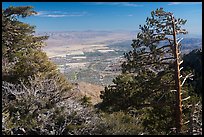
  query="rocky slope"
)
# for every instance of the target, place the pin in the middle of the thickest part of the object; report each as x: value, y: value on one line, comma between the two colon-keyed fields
x: 90, y: 90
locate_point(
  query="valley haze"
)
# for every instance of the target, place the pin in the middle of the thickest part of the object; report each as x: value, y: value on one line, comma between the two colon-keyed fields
x: 96, y: 56
x: 60, y: 43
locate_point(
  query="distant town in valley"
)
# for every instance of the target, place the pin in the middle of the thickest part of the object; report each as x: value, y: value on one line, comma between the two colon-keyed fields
x: 96, y: 56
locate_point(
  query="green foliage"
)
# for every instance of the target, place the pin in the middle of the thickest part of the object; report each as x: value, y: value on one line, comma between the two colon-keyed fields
x: 159, y: 120
x: 85, y: 100
x: 119, y: 123
x: 22, y: 11
x: 193, y: 63
x: 22, y: 51
x: 22, y: 55
x: 147, y: 81
x: 38, y: 85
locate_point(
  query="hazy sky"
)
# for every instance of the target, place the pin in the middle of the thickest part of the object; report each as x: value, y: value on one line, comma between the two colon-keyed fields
x: 80, y: 16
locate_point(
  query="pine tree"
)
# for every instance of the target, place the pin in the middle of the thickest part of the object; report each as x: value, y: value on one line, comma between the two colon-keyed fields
x: 21, y: 49
x: 22, y: 55
x: 151, y: 76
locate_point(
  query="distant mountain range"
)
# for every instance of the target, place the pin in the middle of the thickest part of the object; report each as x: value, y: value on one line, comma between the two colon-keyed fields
x: 119, y: 39
x: 88, y: 37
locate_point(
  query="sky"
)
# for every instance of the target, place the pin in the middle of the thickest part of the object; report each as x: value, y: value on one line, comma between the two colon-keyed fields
x: 106, y: 16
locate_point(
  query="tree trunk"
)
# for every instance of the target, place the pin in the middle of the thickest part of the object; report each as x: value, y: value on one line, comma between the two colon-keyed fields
x: 178, y: 106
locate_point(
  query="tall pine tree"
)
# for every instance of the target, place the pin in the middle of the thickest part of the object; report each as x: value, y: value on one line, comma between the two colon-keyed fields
x: 151, y: 79
x: 22, y: 55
